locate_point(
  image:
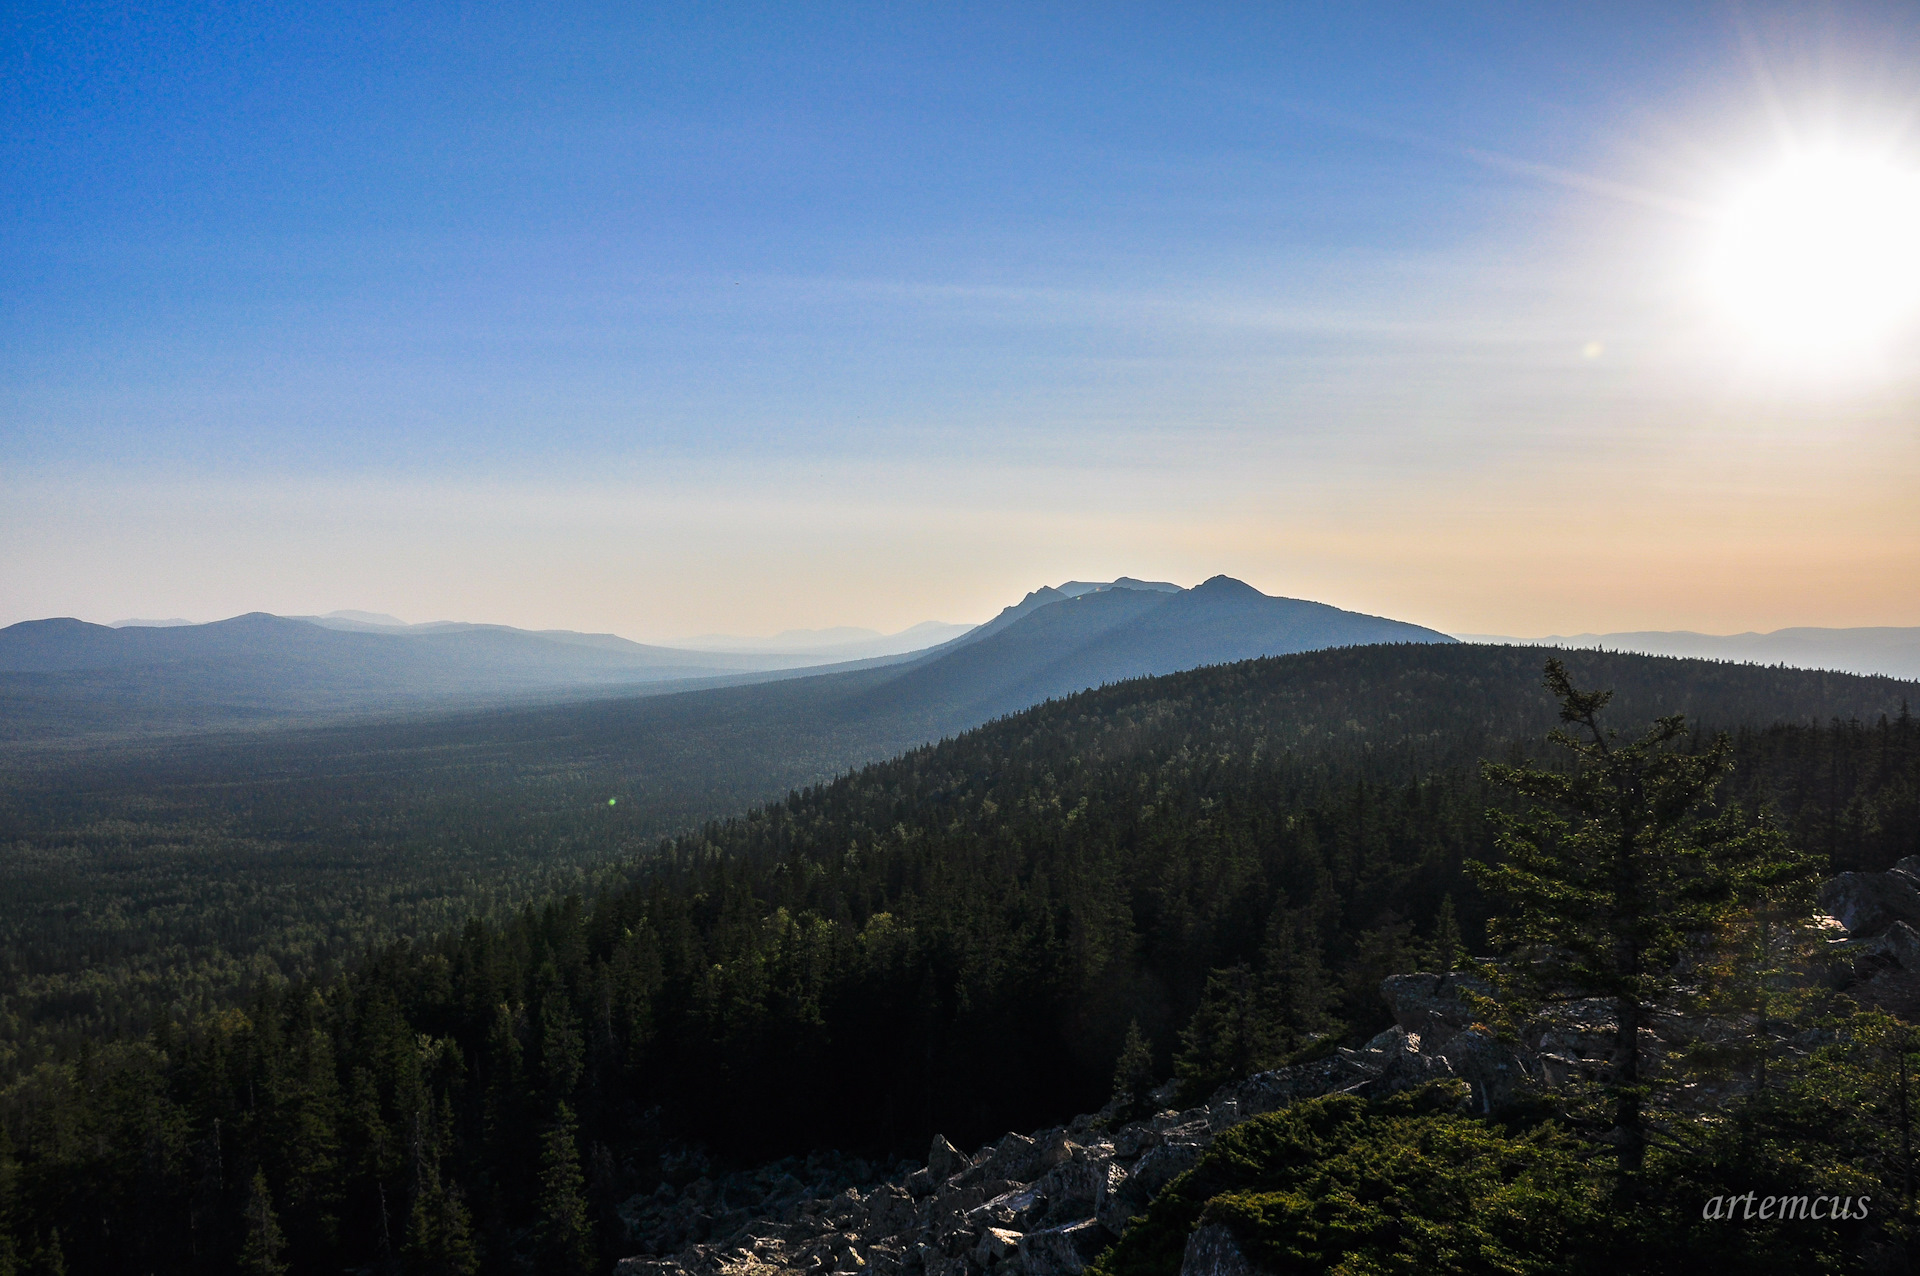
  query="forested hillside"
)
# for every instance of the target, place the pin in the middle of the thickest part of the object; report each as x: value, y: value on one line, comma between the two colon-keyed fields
x: 955, y: 939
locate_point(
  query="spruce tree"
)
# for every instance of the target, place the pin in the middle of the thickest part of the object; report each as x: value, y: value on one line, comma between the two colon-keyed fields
x: 260, y: 1252
x: 566, y: 1243
x: 1133, y: 1072
x: 9, y: 1179
x: 1619, y: 872
x: 1296, y: 992
x: 439, y: 1234
x: 1447, y: 949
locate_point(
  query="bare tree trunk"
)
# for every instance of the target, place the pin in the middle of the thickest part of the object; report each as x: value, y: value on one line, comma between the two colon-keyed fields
x: 1628, y: 1128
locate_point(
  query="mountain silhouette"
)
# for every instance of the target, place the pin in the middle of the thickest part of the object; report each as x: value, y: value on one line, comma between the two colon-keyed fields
x: 1053, y: 645
x: 66, y: 676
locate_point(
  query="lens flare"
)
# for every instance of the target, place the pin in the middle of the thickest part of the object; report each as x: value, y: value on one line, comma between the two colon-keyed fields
x: 1823, y: 254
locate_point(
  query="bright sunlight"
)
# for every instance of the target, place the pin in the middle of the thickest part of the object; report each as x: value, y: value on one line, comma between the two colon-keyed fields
x: 1821, y: 256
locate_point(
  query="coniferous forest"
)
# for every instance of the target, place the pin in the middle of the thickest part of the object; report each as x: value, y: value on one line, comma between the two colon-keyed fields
x: 963, y: 939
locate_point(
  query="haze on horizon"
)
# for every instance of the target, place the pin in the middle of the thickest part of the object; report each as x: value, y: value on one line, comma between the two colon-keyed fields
x: 741, y: 320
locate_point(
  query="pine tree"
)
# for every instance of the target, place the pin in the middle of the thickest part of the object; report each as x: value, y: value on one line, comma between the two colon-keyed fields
x: 260, y: 1253
x: 48, y: 1258
x: 1297, y: 993
x: 1619, y: 871
x: 1221, y: 1041
x: 566, y: 1244
x: 1447, y: 950
x: 439, y: 1234
x: 9, y: 1179
x: 1133, y: 1072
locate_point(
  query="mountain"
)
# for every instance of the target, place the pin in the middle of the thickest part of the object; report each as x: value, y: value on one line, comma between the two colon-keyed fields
x: 68, y: 677
x: 1075, y: 588
x: 1888, y: 650
x: 1053, y: 644
x: 65, y: 676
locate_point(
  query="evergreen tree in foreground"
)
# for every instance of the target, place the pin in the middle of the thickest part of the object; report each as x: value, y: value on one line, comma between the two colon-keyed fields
x: 1621, y: 881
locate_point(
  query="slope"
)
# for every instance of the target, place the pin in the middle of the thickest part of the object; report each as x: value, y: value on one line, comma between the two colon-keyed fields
x: 1059, y: 645
x: 65, y: 677
x: 955, y: 939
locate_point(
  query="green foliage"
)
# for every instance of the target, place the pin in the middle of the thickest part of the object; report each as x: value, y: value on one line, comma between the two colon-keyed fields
x: 957, y: 939
x: 1618, y: 872
x: 565, y: 1239
x: 1406, y: 1185
x: 1248, y: 1021
x: 1448, y: 949
x: 1133, y: 1072
x: 440, y: 1235
x: 1338, y: 1185
x: 260, y: 1253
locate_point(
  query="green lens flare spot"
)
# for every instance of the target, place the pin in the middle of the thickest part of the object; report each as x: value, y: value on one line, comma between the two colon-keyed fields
x: 611, y: 801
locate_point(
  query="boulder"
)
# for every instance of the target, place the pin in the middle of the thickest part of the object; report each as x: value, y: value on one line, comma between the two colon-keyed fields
x: 1012, y: 1156
x: 1868, y: 903
x: 1062, y: 1251
x: 945, y: 1160
x: 1018, y: 1210
x: 1077, y: 1188
x: 889, y: 1210
x: 1492, y: 1068
x: 996, y: 1244
x: 1431, y: 1006
x: 1159, y: 1167
x: 1212, y: 1251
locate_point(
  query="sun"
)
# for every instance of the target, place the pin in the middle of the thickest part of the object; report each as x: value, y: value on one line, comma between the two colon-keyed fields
x: 1822, y: 255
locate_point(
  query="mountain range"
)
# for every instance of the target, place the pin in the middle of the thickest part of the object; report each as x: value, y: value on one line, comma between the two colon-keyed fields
x: 68, y: 677
x: 1891, y: 651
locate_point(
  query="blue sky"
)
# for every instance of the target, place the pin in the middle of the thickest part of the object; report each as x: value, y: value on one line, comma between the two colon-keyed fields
x: 671, y: 319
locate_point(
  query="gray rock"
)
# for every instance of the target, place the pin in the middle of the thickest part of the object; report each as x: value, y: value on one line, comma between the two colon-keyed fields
x: 1119, y: 1208
x: 1062, y: 1251
x: 1269, y: 1091
x: 1016, y: 1210
x: 945, y: 1160
x: 996, y: 1244
x: 1212, y: 1251
x: 1076, y: 1189
x: 1133, y: 1140
x: 1159, y: 1167
x: 1012, y: 1156
x: 889, y: 1210
x: 1898, y: 943
x: 1431, y: 1006
x: 1495, y: 1070
x: 1868, y: 903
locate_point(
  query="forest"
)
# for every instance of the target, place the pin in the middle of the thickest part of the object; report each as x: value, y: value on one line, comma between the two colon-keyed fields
x: 959, y: 939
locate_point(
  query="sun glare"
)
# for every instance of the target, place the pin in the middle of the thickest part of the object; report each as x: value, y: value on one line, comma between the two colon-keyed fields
x: 1821, y: 256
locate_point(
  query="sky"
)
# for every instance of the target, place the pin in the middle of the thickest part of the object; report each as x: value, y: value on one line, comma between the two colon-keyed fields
x: 675, y: 319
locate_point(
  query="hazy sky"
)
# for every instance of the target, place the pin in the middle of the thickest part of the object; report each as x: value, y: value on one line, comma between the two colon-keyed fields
x: 672, y: 319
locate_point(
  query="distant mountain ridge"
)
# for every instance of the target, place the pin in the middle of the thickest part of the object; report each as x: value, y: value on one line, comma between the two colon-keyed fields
x: 1051, y: 644
x: 1892, y: 651
x: 64, y: 676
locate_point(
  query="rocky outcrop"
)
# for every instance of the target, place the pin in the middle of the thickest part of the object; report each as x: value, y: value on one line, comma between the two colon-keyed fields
x: 1868, y: 903
x: 1039, y: 1205
x: 1875, y: 956
x: 1212, y: 1251
x: 1046, y: 1204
